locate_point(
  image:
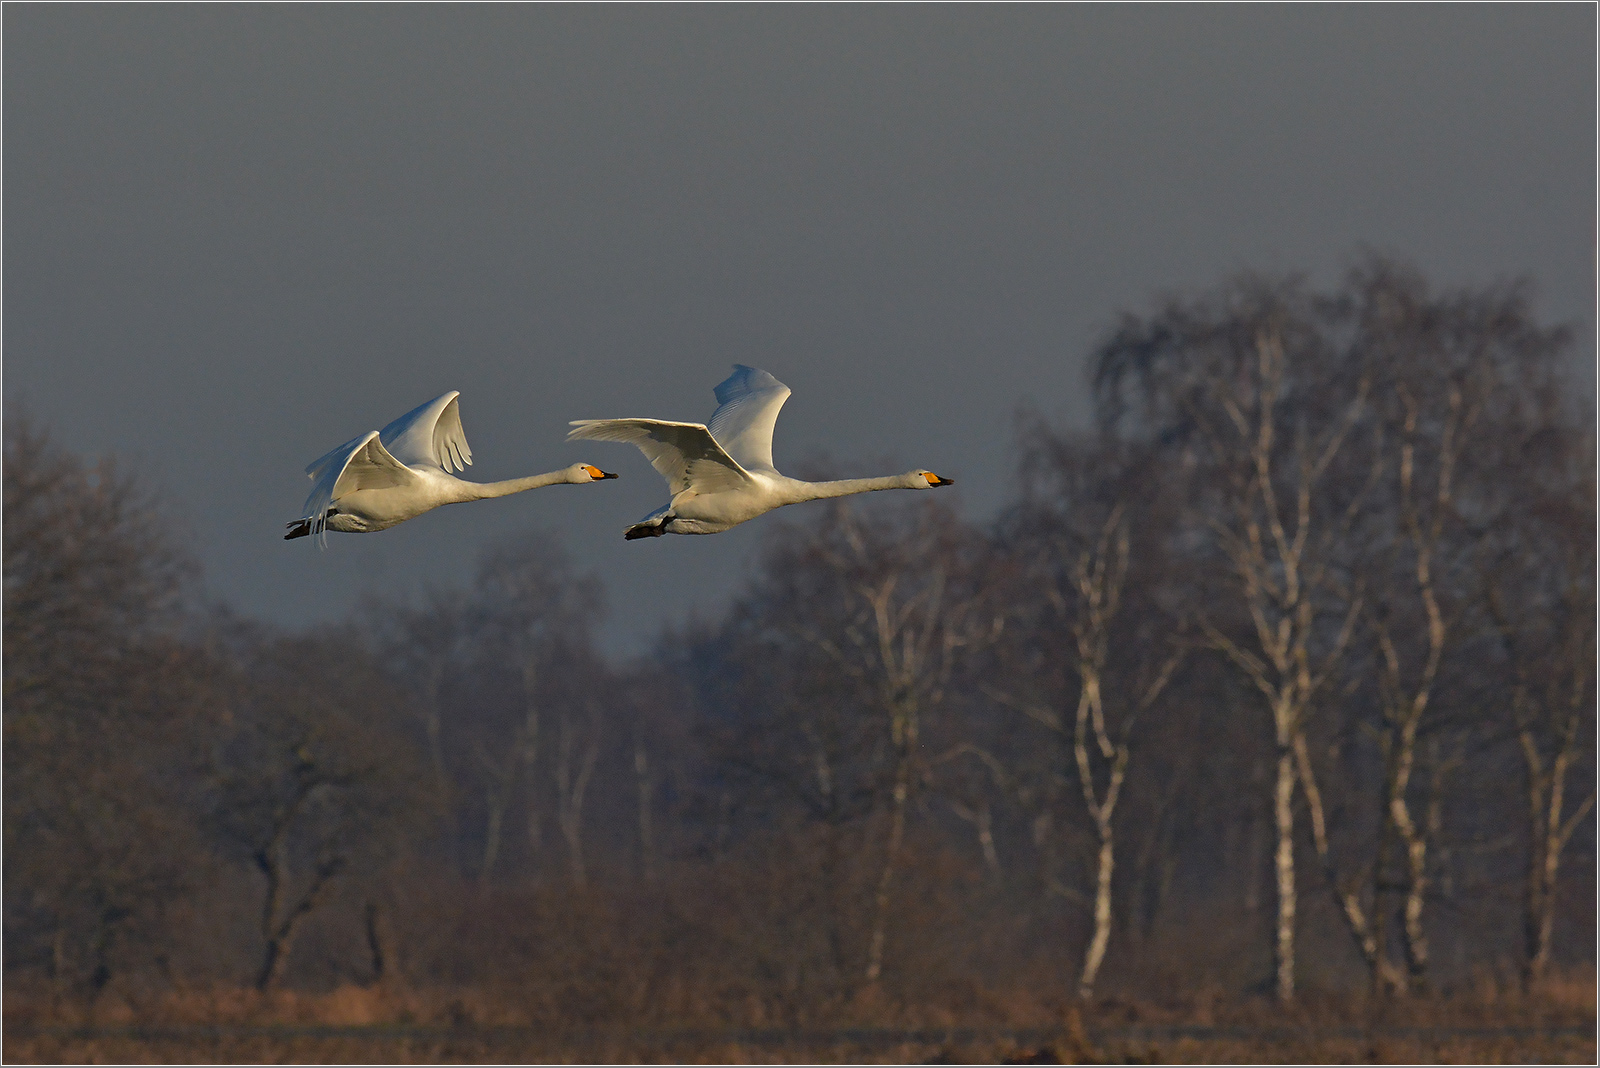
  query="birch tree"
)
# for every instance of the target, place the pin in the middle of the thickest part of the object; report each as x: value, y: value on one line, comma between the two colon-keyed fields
x: 532, y: 618
x: 859, y: 623
x: 1261, y: 434
x: 1538, y: 580
x: 1435, y: 359
x: 913, y: 606
x: 577, y: 751
x: 1112, y: 666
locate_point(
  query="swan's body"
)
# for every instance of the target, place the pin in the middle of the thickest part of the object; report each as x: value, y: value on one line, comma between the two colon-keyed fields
x: 387, y: 476
x: 722, y: 475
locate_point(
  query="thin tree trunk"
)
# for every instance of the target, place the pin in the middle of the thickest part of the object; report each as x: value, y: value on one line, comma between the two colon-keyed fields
x: 432, y: 722
x: 497, y: 798
x: 1552, y: 832
x: 528, y: 749
x: 375, y: 950
x: 982, y: 821
x: 1558, y: 727
x: 1283, y: 813
x: 991, y: 856
x: 641, y: 772
x: 1096, y: 953
x: 897, y: 828
x: 279, y: 932
x: 58, y: 960
x: 1253, y: 860
x: 1367, y: 932
x: 570, y: 789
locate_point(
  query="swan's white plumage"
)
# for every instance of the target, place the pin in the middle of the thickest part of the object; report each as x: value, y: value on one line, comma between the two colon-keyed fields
x: 430, y: 434
x: 340, y: 454
x: 722, y: 475
x: 747, y: 412
x: 384, y: 477
x: 364, y: 465
x: 685, y: 454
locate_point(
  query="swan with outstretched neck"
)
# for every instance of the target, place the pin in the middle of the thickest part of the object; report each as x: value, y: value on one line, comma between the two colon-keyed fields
x: 387, y: 476
x: 721, y: 475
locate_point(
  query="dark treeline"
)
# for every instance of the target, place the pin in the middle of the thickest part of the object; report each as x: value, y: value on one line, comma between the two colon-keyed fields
x: 1283, y: 674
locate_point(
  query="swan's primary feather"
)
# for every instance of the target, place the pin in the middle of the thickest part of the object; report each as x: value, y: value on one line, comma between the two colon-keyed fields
x: 430, y: 435
x: 748, y: 402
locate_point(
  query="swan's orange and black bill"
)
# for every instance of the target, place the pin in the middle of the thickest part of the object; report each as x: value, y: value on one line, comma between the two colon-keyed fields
x: 595, y: 472
x: 935, y: 480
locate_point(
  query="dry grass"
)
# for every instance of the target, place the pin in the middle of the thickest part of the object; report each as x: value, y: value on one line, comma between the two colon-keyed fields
x: 1493, y: 1022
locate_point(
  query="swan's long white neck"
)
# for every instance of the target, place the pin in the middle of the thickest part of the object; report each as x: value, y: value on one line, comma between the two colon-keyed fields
x: 814, y: 491
x: 479, y: 491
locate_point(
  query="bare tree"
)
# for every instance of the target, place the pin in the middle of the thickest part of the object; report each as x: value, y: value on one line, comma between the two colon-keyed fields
x: 1264, y: 434
x: 427, y: 643
x: 105, y: 710
x: 1099, y: 577
x: 830, y: 669
x: 313, y: 782
x: 1538, y: 578
x: 1075, y: 522
x: 909, y: 615
x: 1435, y: 362
x: 644, y: 784
x: 528, y: 620
x: 283, y: 908
x: 577, y: 750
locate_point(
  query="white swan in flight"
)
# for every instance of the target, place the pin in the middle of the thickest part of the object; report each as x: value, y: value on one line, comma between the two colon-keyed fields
x: 721, y: 475
x: 387, y: 476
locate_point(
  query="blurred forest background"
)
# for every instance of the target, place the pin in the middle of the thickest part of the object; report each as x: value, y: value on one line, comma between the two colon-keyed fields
x: 1277, y: 684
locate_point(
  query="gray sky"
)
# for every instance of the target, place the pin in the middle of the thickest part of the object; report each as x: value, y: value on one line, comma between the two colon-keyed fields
x: 237, y: 235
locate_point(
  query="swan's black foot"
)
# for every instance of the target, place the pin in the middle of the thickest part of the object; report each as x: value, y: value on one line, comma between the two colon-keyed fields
x: 648, y: 530
x: 300, y: 528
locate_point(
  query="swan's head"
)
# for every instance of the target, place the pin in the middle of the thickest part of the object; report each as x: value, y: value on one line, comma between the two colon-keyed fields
x: 928, y: 480
x: 587, y: 473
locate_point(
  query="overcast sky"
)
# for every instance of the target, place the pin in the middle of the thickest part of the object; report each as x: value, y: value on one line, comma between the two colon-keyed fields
x: 237, y: 235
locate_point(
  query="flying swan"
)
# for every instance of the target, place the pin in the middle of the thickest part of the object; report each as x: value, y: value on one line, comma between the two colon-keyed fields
x: 387, y: 476
x: 721, y: 475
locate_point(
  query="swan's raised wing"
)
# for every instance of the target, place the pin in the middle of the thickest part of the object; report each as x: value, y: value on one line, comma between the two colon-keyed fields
x: 685, y: 454
x: 430, y: 436
x: 360, y: 463
x: 340, y: 455
x: 747, y: 409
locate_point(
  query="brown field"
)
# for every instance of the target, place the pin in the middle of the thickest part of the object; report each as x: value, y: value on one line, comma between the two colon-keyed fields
x: 1488, y: 1024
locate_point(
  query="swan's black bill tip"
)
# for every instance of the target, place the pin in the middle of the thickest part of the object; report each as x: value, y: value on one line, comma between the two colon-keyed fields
x: 608, y: 474
x: 936, y: 480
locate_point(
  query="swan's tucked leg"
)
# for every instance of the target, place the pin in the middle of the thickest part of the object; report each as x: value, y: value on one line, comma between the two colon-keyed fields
x: 301, y: 528
x: 653, y: 527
